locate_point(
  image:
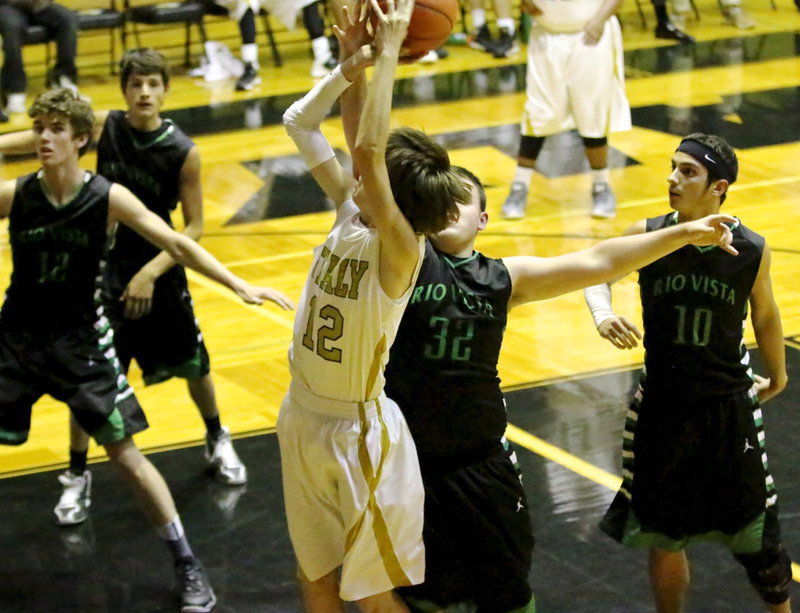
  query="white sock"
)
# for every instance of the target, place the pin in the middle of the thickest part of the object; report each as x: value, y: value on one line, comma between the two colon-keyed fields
x: 250, y: 54
x: 600, y: 175
x: 321, y: 48
x: 523, y: 175
x: 478, y: 18
x: 507, y: 23
x: 171, y: 531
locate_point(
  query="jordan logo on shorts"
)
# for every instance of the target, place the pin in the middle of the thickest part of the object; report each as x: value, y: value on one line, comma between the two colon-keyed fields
x: 747, y: 446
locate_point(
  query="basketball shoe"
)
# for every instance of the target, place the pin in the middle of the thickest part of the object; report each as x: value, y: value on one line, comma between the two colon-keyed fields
x: 604, y: 202
x: 197, y: 596
x: 221, y: 455
x: 481, y: 39
x: 517, y: 200
x: 505, y: 45
x: 73, y: 506
x: 249, y: 78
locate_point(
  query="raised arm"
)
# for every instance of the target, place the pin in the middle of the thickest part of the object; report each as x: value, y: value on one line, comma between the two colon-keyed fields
x: 138, y: 295
x: 302, y: 121
x: 769, y: 332
x: 353, y: 39
x: 125, y: 208
x: 540, y: 278
x: 399, y: 246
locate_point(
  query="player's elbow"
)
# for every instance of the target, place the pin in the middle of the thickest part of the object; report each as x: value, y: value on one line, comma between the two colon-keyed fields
x: 780, y: 382
x: 178, y: 248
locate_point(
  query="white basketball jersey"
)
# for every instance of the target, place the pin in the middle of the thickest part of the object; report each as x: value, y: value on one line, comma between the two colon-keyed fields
x: 566, y: 15
x: 345, y: 323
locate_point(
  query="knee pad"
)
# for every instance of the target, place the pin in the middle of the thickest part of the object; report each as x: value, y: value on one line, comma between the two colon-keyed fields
x: 594, y: 143
x: 770, y: 573
x: 530, y: 146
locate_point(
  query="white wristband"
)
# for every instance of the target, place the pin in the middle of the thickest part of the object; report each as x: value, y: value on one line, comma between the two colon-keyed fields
x: 598, y: 299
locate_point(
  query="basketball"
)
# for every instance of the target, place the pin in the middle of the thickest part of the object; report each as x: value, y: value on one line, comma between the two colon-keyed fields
x: 430, y: 26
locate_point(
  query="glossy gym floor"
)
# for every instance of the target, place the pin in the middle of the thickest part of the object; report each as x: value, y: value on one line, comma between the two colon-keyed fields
x: 566, y: 388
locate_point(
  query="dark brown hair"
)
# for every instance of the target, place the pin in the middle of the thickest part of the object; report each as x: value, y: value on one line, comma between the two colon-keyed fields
x: 720, y: 148
x: 142, y: 61
x: 424, y: 184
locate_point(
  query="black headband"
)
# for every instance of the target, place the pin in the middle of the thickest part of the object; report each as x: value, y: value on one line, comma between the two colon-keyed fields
x: 717, y: 167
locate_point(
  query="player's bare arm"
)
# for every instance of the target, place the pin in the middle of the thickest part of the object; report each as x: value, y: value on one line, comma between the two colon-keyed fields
x: 768, y: 328
x: 128, y: 210
x: 302, y: 122
x: 7, y: 189
x: 354, y: 39
x: 20, y: 143
x: 540, y: 278
x: 138, y: 295
x: 399, y: 247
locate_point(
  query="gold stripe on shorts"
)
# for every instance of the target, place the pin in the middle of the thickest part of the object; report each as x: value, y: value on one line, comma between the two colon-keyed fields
x: 382, y: 537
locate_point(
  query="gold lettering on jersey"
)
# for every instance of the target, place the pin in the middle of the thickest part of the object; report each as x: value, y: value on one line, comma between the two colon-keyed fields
x: 701, y: 284
x: 337, y: 276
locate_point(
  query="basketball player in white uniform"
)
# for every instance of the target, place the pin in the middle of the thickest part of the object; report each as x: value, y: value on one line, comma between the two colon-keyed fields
x: 575, y: 80
x: 353, y: 492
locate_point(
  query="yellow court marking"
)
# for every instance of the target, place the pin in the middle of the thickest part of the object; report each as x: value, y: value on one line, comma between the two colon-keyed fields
x: 575, y: 464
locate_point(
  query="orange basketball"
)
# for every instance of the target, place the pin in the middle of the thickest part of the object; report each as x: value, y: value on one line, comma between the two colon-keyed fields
x: 430, y: 26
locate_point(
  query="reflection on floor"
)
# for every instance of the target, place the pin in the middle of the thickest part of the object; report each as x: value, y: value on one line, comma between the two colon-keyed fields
x: 115, y: 563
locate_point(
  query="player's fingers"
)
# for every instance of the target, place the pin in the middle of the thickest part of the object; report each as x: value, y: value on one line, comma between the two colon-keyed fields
x: 376, y: 8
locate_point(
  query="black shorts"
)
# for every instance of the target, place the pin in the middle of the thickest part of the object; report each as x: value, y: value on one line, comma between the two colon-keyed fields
x: 478, y: 536
x: 694, y: 469
x: 80, y: 369
x: 166, y: 342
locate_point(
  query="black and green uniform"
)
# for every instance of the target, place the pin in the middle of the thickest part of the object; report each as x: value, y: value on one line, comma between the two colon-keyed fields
x: 54, y: 335
x: 442, y: 372
x: 167, y: 341
x: 694, y: 460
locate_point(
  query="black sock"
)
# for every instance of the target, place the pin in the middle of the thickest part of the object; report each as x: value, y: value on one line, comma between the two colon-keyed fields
x: 77, y: 461
x: 661, y: 14
x: 180, y: 549
x: 175, y: 538
x: 213, y: 426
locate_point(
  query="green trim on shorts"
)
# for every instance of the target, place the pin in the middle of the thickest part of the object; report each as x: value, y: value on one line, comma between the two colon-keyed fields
x: 195, y: 367
x: 7, y: 437
x: 111, y: 431
x: 528, y: 608
x: 748, y: 540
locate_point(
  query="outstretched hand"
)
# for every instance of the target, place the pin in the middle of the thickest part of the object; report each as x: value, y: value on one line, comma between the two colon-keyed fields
x: 392, y: 24
x: 352, y: 32
x: 713, y: 230
x: 258, y: 295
